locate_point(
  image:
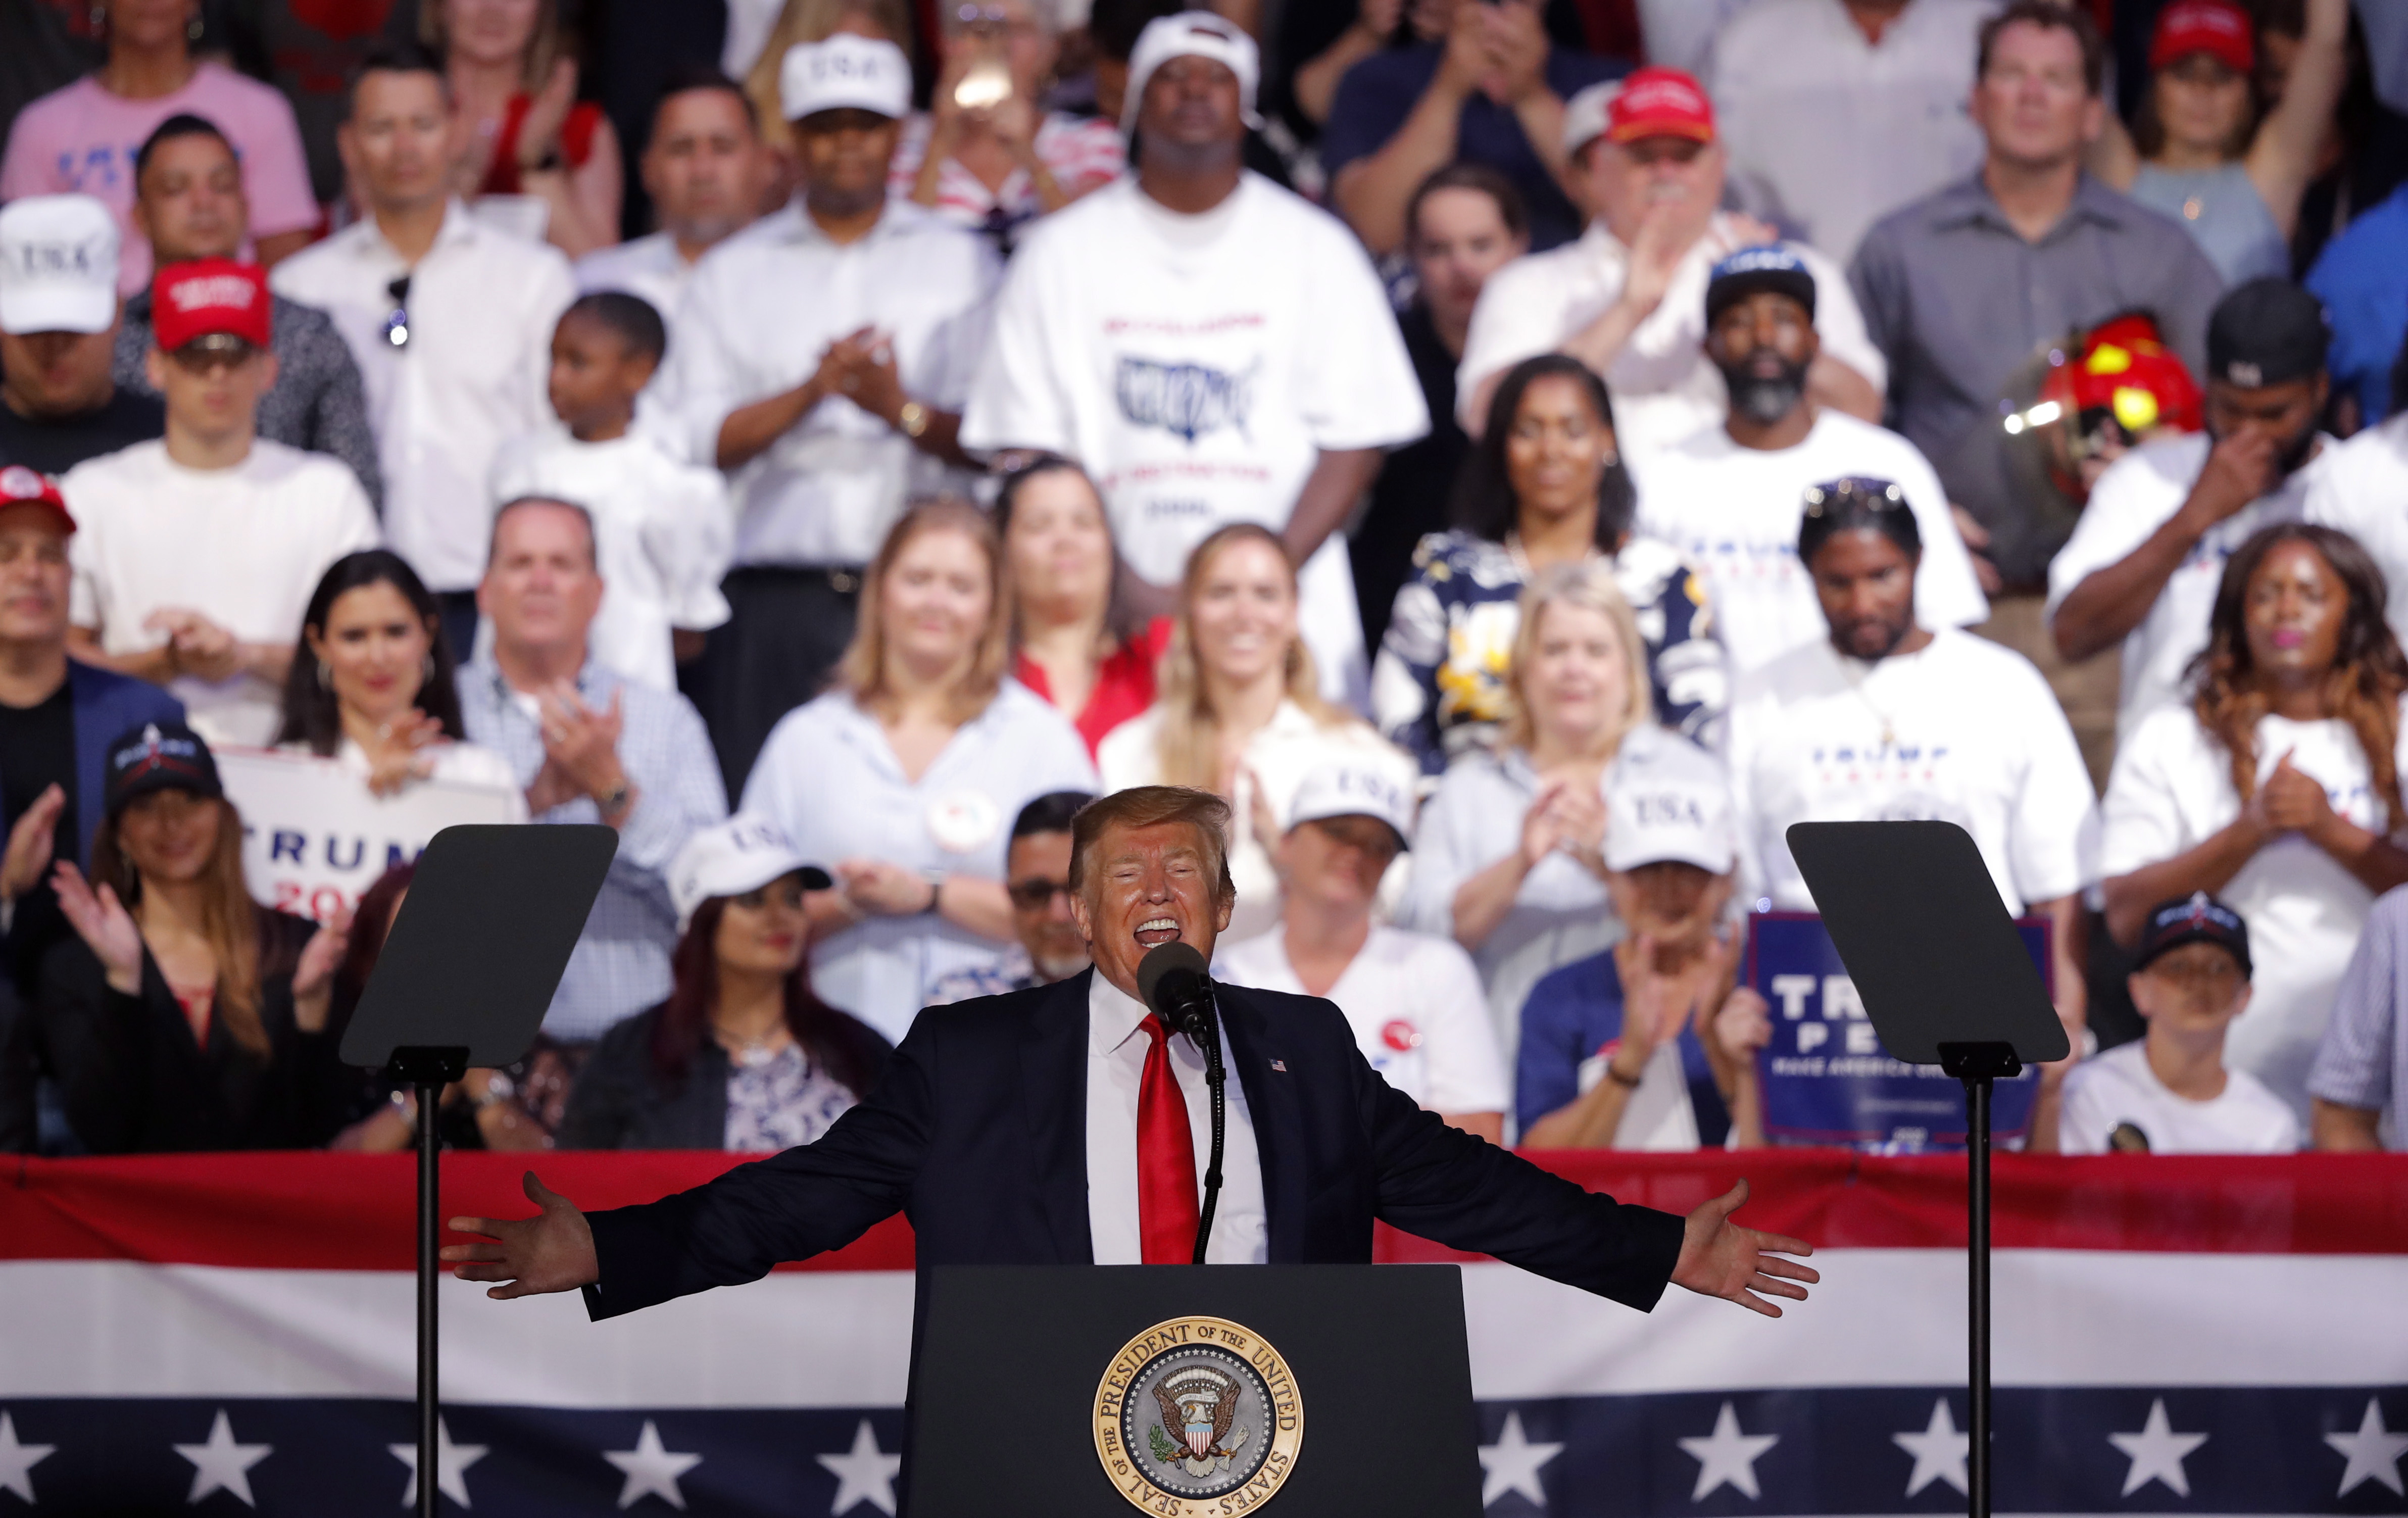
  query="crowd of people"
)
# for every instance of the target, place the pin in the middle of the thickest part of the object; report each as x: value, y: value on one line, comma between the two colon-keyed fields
x: 1522, y: 470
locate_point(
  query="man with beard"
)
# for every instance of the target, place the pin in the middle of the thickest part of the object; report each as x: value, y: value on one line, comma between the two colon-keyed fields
x: 1728, y: 496
x: 822, y: 359
x: 1889, y: 720
x: 2144, y: 564
x: 1037, y: 877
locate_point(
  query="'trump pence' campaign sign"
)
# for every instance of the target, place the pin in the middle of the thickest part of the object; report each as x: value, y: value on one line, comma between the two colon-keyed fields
x: 1825, y: 1076
x: 314, y: 836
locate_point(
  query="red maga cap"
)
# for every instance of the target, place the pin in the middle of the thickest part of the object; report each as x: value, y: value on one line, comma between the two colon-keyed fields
x: 1658, y: 102
x: 20, y: 486
x: 2216, y: 27
x: 206, y: 297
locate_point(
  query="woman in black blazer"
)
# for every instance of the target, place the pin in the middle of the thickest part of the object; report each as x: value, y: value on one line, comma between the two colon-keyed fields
x: 183, y: 1015
x: 743, y: 1055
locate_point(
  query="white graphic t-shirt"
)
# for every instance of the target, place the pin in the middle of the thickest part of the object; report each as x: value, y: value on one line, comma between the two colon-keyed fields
x: 1197, y: 365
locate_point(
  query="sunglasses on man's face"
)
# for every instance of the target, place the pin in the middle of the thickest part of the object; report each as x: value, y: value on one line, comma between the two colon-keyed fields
x: 1035, y: 895
x: 214, y: 351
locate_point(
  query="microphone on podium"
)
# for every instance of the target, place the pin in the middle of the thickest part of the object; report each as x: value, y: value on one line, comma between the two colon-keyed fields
x: 1172, y: 979
x: 1174, y: 982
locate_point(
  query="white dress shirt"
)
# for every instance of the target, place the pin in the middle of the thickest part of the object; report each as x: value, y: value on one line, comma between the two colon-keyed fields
x: 1829, y: 131
x: 649, y: 268
x: 1116, y: 1051
x: 761, y: 309
x: 1664, y: 386
x: 475, y: 372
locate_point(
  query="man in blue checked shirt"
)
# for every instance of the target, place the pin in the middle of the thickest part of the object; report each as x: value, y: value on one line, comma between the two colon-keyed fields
x: 590, y: 747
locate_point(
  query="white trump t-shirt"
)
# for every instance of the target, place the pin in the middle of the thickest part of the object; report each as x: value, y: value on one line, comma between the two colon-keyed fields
x: 2171, y: 790
x: 1962, y: 731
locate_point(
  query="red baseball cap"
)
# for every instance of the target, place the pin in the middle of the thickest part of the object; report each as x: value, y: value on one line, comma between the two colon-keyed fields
x: 207, y: 296
x: 2215, y: 27
x: 20, y: 486
x: 1658, y: 102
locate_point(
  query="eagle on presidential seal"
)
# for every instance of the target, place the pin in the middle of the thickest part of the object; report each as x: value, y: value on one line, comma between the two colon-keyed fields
x: 1199, y: 1404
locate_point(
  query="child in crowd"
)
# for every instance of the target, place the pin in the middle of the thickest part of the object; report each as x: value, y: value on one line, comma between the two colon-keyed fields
x: 2169, y: 1093
x: 663, y: 530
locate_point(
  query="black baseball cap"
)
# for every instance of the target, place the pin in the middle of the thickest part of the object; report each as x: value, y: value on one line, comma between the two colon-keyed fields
x: 160, y: 756
x: 1768, y: 266
x: 2266, y: 332
x: 2198, y: 918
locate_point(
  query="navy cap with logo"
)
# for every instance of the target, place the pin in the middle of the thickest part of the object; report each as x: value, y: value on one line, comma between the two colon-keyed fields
x: 2198, y: 918
x: 160, y: 756
x: 1768, y: 266
x: 2266, y: 332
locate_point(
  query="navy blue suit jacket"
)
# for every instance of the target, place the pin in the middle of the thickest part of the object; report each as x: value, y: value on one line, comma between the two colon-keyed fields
x: 978, y: 1133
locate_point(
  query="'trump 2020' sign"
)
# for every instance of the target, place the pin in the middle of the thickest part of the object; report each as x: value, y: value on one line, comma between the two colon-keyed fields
x: 1825, y: 1076
x: 314, y: 836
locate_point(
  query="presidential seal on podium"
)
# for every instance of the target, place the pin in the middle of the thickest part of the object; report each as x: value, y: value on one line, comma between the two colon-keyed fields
x: 1197, y: 1415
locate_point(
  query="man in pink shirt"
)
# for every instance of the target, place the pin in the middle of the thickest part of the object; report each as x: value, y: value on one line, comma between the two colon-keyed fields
x: 83, y: 138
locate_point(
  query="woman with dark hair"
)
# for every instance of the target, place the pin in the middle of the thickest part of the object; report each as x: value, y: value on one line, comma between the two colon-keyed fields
x: 371, y: 685
x: 1545, y: 485
x: 1070, y: 639
x: 2206, y: 148
x: 743, y: 1055
x: 183, y: 1015
x: 2276, y: 790
x: 513, y: 69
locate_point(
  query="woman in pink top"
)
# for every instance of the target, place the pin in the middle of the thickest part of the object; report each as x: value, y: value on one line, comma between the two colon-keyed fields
x: 83, y: 138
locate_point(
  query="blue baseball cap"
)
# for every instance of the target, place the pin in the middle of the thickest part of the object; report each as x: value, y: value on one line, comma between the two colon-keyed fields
x: 1767, y: 267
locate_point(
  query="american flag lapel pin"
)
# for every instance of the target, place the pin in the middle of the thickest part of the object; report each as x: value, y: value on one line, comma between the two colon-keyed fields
x: 1280, y: 1064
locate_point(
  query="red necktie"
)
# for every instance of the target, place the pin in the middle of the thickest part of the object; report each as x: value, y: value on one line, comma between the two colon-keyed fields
x: 1166, y: 1207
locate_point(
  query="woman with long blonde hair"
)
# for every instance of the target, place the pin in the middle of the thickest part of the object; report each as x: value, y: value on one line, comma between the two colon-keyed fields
x: 1509, y: 859
x: 2277, y: 789
x: 904, y: 778
x: 182, y: 1015
x: 1237, y: 708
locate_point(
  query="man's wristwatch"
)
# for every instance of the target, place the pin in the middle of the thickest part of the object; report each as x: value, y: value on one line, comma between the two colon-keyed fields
x: 912, y: 419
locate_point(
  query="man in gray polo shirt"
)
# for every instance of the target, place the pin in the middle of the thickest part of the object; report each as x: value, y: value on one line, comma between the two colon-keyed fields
x: 1967, y: 287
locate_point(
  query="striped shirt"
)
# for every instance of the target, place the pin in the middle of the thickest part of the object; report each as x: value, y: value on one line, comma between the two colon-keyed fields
x: 2363, y: 1061
x: 1080, y: 152
x: 621, y: 964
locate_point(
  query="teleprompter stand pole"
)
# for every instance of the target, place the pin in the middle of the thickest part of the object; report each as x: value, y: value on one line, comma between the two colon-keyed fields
x: 1977, y: 1065
x: 427, y: 1071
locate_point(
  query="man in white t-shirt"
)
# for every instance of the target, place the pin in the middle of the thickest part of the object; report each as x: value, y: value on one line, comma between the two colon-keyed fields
x: 1414, y: 999
x: 2145, y: 559
x: 822, y: 358
x: 1211, y: 348
x: 1730, y: 498
x: 198, y: 553
x: 706, y: 169
x: 1627, y: 299
x: 2169, y: 1093
x: 1887, y: 721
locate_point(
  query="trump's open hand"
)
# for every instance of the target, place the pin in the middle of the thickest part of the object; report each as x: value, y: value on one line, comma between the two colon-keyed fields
x: 552, y: 1252
x: 1719, y: 1258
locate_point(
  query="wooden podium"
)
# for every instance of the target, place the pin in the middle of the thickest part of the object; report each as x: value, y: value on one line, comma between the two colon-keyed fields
x: 1099, y: 1391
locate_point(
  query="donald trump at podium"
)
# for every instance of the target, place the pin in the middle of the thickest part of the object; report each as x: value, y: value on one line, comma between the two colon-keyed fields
x: 1063, y: 1124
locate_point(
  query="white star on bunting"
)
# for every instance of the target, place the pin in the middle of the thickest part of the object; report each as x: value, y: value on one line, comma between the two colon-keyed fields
x: 17, y: 1461
x: 452, y: 1463
x: 651, y: 1469
x: 222, y: 1465
x: 1727, y: 1456
x: 1940, y: 1452
x: 2157, y: 1453
x: 1512, y: 1464
x: 2374, y: 1452
x: 863, y: 1473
